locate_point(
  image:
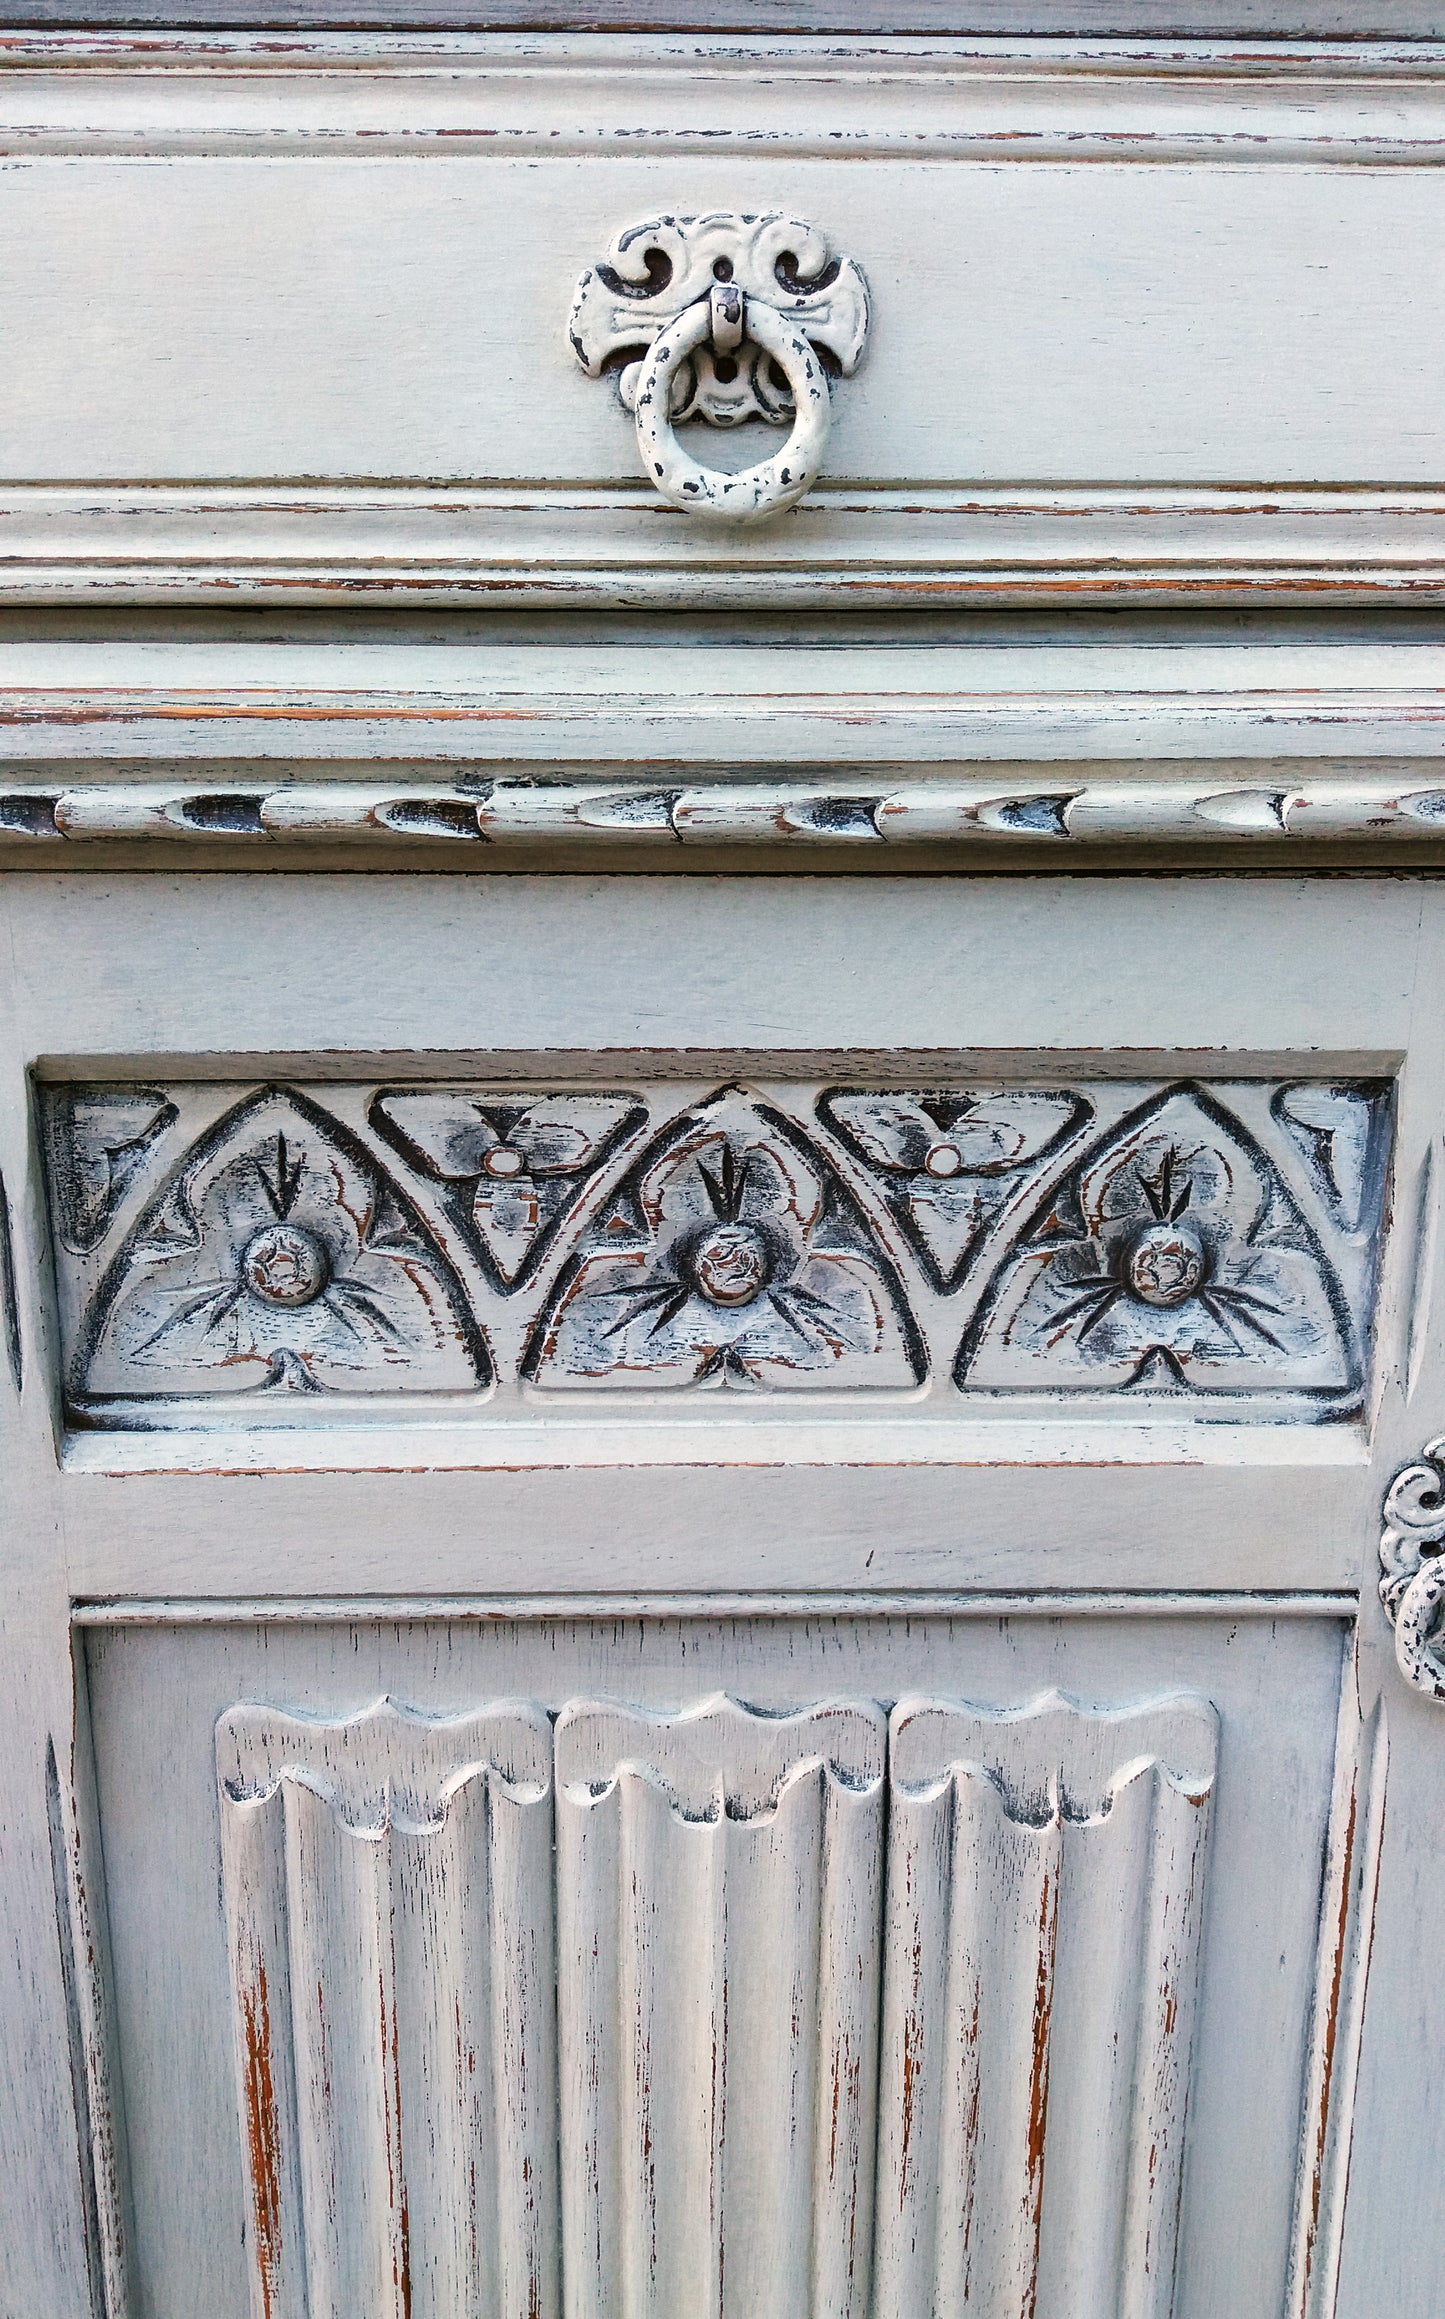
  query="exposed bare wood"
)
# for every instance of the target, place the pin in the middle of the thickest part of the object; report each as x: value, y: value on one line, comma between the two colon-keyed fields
x: 1348, y: 1894
x: 388, y: 1899
x: 1045, y: 1895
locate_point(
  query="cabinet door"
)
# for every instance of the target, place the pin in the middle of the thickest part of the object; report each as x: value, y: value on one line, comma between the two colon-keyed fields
x: 695, y: 1621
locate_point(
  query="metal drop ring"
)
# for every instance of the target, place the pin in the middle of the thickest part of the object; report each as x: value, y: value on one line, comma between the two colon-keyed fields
x: 755, y: 492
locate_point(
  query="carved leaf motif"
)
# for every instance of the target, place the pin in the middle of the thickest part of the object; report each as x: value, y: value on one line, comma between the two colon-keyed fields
x: 732, y: 1255
x: 278, y: 1254
x: 949, y: 1161
x: 1340, y: 1132
x: 96, y: 1142
x: 1171, y: 1258
x: 515, y: 1166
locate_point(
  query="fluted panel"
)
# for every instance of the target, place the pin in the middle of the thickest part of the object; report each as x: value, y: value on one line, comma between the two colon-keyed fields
x: 388, y: 1886
x: 719, y: 1925
x: 1045, y: 1889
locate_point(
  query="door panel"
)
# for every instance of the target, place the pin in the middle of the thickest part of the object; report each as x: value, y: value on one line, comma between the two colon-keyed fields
x: 835, y: 1668
x: 1027, y: 1902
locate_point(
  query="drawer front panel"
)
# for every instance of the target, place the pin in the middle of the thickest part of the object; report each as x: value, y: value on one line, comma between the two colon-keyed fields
x: 1141, y: 323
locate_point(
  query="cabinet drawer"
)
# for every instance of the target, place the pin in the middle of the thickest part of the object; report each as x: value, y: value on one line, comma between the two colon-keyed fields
x: 289, y: 315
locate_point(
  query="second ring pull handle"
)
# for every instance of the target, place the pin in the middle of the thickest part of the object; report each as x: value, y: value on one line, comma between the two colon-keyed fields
x: 722, y: 318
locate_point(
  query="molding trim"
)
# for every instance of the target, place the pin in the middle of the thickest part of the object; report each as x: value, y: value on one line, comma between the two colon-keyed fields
x: 861, y: 753
x: 349, y: 1610
x: 1040, y: 814
x: 621, y: 547
x: 929, y: 98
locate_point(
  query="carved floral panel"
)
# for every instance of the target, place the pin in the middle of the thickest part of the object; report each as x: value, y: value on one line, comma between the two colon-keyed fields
x: 458, y: 1248
x: 731, y: 1255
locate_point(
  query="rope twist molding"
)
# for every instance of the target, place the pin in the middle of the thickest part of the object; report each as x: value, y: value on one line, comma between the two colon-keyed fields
x: 938, y: 811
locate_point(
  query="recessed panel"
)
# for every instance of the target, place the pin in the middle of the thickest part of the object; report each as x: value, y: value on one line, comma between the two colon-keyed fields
x: 773, y: 1967
x: 296, y: 1256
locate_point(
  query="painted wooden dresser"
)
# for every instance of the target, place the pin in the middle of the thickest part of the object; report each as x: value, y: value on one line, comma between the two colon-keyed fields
x: 722, y: 1075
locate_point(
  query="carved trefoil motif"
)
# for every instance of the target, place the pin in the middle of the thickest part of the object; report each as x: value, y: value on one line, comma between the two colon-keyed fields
x: 950, y: 1160
x: 732, y: 1255
x: 514, y: 1165
x: 388, y: 1893
x: 285, y: 1254
x: 274, y: 1257
x: 1174, y: 1257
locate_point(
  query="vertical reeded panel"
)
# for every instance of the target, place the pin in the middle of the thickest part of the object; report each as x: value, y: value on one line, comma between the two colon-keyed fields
x: 388, y: 1885
x: 719, y: 1925
x: 1045, y: 1891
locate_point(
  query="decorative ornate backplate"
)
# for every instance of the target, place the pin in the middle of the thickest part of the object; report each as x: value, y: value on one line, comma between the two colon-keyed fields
x: 654, y: 271
x: 1129, y: 1246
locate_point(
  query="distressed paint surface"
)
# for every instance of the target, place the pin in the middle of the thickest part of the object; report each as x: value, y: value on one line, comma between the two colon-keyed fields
x: 271, y: 1255
x: 1039, y: 814
x: 389, y: 1904
x: 1045, y: 1898
x: 719, y: 1898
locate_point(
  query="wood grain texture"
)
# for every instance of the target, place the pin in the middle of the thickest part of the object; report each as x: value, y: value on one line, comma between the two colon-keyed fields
x: 1173, y: 714
x: 157, y: 1693
x: 388, y: 1898
x: 719, y: 1896
x: 1045, y: 1895
x: 855, y: 754
x: 852, y: 545
x: 331, y: 220
x: 1162, y: 19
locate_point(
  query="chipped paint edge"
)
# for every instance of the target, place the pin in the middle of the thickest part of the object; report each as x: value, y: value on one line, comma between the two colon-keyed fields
x: 1039, y: 813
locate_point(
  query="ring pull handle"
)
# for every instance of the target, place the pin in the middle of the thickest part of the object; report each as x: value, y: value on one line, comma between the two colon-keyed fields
x: 752, y: 492
x: 707, y: 315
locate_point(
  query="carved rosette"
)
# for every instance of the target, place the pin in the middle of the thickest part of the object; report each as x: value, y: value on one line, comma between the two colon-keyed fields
x: 1412, y: 1567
